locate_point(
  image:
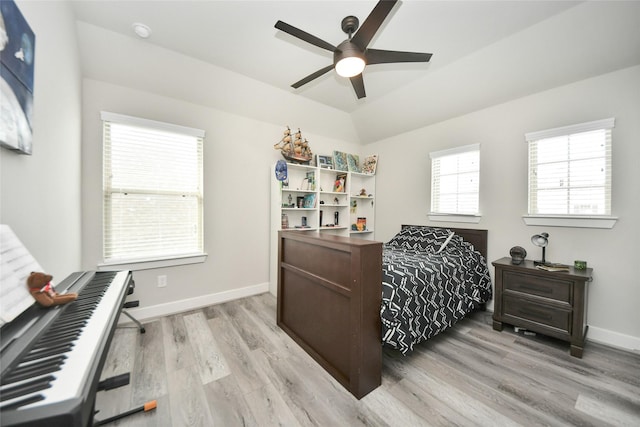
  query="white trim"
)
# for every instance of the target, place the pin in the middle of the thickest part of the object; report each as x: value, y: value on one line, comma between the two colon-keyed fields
x: 153, y: 124
x: 456, y: 150
x: 160, y: 310
x: 571, y: 129
x: 135, y: 265
x: 614, y: 339
x: 571, y: 221
x: 471, y: 219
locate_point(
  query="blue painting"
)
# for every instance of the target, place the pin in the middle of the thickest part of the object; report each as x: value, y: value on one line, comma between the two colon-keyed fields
x: 17, y: 55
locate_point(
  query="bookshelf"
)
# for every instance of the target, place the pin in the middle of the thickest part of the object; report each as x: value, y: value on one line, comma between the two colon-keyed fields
x: 331, y: 198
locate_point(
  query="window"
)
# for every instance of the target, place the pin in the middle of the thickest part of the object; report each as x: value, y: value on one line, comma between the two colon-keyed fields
x: 570, y: 170
x: 455, y: 181
x: 152, y: 188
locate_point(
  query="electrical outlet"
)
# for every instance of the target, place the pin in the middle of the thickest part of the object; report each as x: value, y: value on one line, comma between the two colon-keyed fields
x: 162, y: 281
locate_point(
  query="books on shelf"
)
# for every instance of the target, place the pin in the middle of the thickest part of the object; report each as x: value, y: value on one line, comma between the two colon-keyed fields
x: 552, y: 267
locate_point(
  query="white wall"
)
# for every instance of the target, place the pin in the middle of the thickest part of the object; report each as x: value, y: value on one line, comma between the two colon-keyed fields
x: 403, y: 188
x: 40, y: 194
x: 238, y: 155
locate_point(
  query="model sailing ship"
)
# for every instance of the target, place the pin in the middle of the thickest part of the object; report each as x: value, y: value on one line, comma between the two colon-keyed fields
x: 297, y: 151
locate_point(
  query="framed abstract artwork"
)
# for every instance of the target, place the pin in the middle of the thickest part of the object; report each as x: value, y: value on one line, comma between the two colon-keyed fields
x: 340, y: 161
x: 17, y: 63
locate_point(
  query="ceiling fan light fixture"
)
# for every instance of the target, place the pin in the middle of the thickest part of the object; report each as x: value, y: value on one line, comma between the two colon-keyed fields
x: 348, y: 60
x: 349, y: 67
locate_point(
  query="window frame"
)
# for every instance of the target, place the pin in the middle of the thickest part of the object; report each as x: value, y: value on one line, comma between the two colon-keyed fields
x: 160, y: 260
x: 465, y: 217
x: 571, y: 220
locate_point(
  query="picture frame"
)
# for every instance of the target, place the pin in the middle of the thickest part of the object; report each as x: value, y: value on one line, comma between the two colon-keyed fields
x: 311, y: 181
x: 340, y: 184
x: 309, y: 201
x: 340, y: 161
x: 353, y: 163
x: 324, y: 162
x: 17, y: 65
x: 369, y: 164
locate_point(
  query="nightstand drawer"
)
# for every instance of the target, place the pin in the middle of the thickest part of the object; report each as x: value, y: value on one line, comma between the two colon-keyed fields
x: 547, y: 287
x: 527, y: 310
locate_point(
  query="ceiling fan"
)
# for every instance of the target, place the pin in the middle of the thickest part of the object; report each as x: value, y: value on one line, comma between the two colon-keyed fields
x: 352, y: 55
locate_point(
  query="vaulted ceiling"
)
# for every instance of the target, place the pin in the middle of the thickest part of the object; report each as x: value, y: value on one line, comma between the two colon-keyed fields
x: 484, y: 52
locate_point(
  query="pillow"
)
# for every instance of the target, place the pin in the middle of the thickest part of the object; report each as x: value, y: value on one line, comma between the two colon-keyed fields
x: 417, y: 238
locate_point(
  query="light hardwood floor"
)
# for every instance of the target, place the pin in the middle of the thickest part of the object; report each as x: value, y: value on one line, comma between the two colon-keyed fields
x: 230, y: 365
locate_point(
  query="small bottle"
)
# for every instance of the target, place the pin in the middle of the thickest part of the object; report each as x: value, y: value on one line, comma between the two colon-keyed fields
x: 335, y: 218
x: 285, y: 221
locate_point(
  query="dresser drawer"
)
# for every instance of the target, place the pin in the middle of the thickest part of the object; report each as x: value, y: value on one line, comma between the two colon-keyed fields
x: 547, y: 287
x: 539, y: 313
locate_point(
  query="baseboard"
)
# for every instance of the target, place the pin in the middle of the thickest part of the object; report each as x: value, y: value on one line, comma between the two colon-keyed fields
x: 614, y: 339
x: 152, y: 312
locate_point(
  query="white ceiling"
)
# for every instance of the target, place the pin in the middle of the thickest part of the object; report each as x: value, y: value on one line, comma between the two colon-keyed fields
x: 484, y: 52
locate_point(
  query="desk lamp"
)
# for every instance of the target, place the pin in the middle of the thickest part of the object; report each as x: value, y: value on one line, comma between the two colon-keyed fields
x: 541, y: 240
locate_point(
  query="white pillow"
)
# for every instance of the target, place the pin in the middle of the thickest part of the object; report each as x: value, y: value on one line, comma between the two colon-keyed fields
x: 446, y: 242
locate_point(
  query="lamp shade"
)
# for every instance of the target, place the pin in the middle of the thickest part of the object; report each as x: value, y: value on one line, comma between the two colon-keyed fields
x: 348, y: 59
x: 540, y: 240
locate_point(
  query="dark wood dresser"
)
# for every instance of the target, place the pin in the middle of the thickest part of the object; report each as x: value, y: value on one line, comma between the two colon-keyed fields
x: 549, y: 303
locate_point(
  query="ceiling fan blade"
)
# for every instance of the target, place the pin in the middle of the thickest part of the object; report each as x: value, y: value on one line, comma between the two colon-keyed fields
x: 304, y: 36
x: 312, y: 76
x: 358, y: 85
x: 375, y: 19
x: 376, y: 56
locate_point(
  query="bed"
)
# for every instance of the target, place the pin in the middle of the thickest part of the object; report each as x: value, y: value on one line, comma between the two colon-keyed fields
x: 341, y: 299
x: 431, y: 278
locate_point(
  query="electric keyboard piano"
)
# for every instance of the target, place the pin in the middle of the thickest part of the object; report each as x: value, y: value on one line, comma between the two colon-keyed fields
x: 51, y: 358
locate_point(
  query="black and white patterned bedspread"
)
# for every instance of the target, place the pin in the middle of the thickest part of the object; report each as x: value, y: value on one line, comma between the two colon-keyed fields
x: 425, y: 292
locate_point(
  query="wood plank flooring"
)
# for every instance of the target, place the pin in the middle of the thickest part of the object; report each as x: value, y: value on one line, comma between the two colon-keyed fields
x: 230, y: 365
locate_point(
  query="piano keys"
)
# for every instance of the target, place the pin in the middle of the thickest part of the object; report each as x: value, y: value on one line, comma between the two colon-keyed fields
x: 51, y: 358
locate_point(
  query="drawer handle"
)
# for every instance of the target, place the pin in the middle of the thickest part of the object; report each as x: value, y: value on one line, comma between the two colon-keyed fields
x: 534, y: 288
x: 539, y: 314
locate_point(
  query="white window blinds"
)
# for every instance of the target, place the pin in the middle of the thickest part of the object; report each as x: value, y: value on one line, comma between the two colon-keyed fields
x: 152, y: 186
x: 570, y: 170
x: 455, y: 180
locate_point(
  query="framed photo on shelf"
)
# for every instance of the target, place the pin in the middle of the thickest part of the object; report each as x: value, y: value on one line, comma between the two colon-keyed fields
x: 340, y: 184
x: 309, y: 201
x: 324, y: 162
x: 311, y: 181
x: 300, y: 201
x: 369, y: 164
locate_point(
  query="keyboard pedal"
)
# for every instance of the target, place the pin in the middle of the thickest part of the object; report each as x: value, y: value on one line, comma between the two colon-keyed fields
x: 114, y: 382
x: 131, y: 304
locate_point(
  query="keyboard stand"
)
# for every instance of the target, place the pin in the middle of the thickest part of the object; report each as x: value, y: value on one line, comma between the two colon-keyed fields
x: 131, y: 304
x: 123, y: 379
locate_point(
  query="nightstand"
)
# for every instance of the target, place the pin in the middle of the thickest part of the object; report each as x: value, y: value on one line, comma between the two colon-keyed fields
x: 549, y: 303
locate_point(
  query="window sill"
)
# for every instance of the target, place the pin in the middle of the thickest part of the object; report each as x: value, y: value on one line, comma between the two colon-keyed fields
x: 571, y: 221
x: 471, y: 219
x: 135, y: 265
